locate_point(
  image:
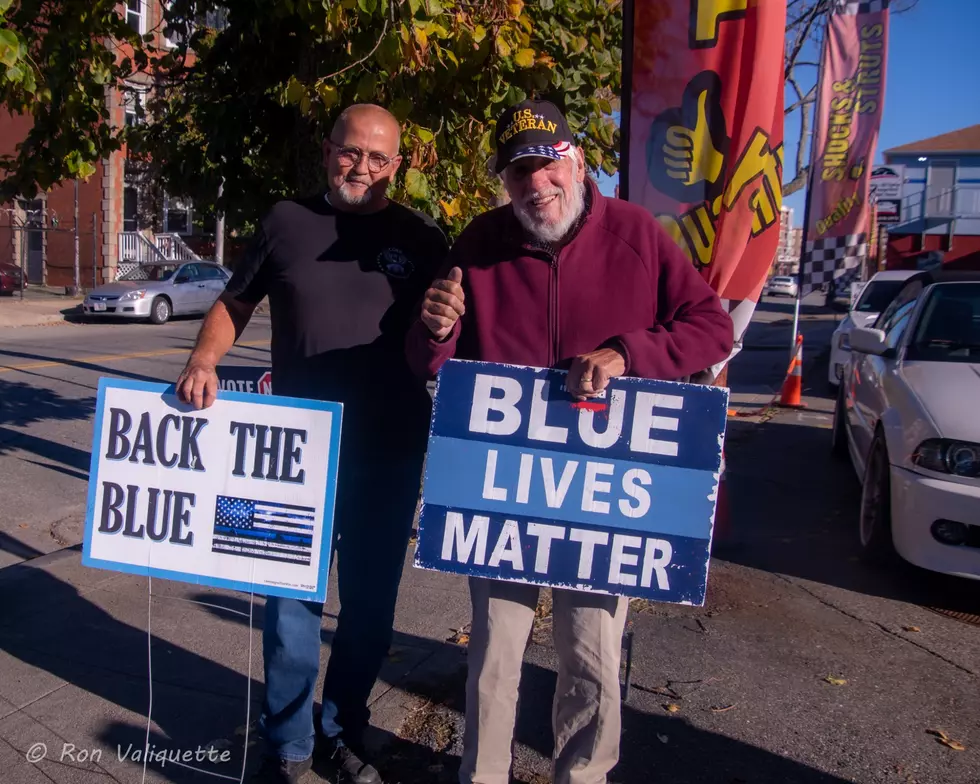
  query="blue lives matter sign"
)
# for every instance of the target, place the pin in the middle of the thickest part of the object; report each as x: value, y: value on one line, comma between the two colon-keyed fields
x: 615, y: 494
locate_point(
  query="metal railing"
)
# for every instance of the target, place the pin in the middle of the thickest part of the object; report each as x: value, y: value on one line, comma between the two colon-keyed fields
x: 960, y: 202
x: 134, y: 248
x: 174, y: 248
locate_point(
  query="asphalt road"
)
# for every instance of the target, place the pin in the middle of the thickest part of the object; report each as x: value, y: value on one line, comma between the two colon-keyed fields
x: 49, y: 380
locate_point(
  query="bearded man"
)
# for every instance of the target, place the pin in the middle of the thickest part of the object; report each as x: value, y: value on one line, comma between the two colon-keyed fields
x: 559, y: 277
x: 343, y: 271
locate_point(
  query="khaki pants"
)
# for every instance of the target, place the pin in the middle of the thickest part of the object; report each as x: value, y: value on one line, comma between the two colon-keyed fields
x: 588, y: 631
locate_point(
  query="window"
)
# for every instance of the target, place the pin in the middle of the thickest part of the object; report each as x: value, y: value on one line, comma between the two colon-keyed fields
x: 177, y: 215
x: 896, y: 326
x: 877, y: 295
x: 153, y: 272
x: 216, y: 19
x: 136, y: 15
x: 189, y: 272
x: 175, y: 29
x: 949, y: 329
x: 909, y: 293
x: 134, y: 104
x: 211, y: 272
x: 130, y: 208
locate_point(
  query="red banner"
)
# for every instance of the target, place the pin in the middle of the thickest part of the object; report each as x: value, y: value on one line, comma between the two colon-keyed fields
x: 850, y: 102
x: 703, y: 142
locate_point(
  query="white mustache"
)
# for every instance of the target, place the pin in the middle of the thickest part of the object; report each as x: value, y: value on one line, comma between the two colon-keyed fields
x: 539, y: 196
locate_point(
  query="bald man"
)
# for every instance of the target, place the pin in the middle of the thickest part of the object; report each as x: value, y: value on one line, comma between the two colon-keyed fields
x: 342, y: 271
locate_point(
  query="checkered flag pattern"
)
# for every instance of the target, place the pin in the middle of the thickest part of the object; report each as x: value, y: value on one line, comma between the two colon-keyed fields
x: 825, y: 260
x: 843, y: 283
x: 853, y: 7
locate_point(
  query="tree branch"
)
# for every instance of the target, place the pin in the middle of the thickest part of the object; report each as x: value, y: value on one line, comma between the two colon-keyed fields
x: 802, y: 100
x: 366, y: 57
x: 798, y: 183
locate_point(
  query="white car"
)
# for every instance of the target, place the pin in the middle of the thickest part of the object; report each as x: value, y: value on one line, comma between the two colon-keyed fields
x: 908, y: 415
x: 865, y: 309
x: 784, y: 285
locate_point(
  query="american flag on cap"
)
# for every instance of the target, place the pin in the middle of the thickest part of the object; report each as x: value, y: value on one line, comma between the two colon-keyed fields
x: 554, y: 151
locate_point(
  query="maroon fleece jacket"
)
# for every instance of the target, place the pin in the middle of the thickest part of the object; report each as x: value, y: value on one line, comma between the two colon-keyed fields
x: 621, y: 282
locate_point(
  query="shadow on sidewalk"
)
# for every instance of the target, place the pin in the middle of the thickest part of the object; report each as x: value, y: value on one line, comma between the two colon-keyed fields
x: 23, y: 404
x: 198, y: 698
x: 49, y: 625
x: 653, y: 747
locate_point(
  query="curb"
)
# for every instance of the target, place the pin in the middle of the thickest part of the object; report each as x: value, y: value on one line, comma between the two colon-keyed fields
x: 29, y: 566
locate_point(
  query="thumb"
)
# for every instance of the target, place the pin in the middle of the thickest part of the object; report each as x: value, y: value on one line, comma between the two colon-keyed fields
x: 455, y: 275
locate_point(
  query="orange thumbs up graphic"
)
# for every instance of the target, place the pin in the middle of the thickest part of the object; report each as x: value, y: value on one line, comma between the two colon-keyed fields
x: 688, y: 144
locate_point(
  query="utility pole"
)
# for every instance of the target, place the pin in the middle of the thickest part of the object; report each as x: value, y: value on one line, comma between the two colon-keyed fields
x: 219, y: 229
x: 77, y: 279
x: 23, y: 259
x: 95, y: 253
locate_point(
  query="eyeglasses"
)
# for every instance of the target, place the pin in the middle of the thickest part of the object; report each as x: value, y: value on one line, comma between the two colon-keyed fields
x: 351, y: 156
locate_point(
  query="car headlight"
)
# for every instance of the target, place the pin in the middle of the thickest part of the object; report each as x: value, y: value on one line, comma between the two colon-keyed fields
x: 945, y: 456
x: 131, y: 295
x: 844, y: 341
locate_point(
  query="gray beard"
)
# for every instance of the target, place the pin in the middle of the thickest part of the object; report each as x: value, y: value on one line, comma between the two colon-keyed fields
x: 554, y: 232
x: 343, y: 194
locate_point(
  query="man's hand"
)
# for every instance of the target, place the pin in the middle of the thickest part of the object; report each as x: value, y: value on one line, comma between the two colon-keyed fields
x: 444, y: 304
x: 590, y: 373
x: 198, y: 384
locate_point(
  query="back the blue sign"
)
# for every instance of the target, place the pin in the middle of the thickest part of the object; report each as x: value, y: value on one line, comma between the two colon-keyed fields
x: 615, y: 494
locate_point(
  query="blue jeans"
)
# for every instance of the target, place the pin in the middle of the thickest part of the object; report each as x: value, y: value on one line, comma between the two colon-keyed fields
x: 373, y: 522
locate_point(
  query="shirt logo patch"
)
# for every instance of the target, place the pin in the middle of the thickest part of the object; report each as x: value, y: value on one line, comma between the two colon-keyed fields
x: 395, y: 263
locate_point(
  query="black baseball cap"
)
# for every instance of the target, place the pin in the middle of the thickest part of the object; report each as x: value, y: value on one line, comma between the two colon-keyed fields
x: 532, y: 129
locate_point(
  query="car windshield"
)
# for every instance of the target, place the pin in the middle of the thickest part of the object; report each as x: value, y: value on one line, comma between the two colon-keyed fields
x: 154, y: 272
x: 782, y: 280
x: 949, y: 330
x: 878, y: 295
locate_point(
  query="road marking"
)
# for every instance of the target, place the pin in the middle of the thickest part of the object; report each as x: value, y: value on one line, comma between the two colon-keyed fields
x: 114, y: 357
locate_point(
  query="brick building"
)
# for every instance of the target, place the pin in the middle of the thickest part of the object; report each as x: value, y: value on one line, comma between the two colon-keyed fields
x: 132, y: 221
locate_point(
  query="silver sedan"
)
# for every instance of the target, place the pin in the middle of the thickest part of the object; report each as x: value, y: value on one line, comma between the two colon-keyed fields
x: 159, y: 290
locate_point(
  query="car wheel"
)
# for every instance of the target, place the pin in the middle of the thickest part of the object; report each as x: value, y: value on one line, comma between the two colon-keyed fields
x: 838, y: 434
x: 160, y: 311
x: 875, y: 524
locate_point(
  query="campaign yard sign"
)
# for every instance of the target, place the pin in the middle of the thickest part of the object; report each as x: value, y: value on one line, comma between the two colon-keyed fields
x: 615, y: 494
x: 239, y: 495
x: 245, y: 378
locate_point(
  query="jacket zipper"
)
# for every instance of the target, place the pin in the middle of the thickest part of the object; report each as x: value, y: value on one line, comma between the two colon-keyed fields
x: 554, y: 349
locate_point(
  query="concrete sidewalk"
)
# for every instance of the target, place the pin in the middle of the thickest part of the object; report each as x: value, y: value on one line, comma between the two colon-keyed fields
x: 46, y: 308
x: 74, y: 670
x: 38, y: 307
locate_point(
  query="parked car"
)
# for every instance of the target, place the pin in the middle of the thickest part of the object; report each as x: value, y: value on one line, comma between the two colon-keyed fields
x: 10, y: 278
x: 159, y: 290
x: 906, y: 415
x: 781, y: 285
x: 865, y: 309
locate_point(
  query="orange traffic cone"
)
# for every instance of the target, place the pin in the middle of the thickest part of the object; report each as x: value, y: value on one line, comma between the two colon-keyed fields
x: 792, y: 392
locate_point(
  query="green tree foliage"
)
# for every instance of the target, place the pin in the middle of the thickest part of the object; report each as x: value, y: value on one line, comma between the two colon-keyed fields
x: 56, y: 60
x: 250, y: 103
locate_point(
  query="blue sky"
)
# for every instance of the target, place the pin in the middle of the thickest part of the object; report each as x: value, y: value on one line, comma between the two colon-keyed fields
x: 932, y: 85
